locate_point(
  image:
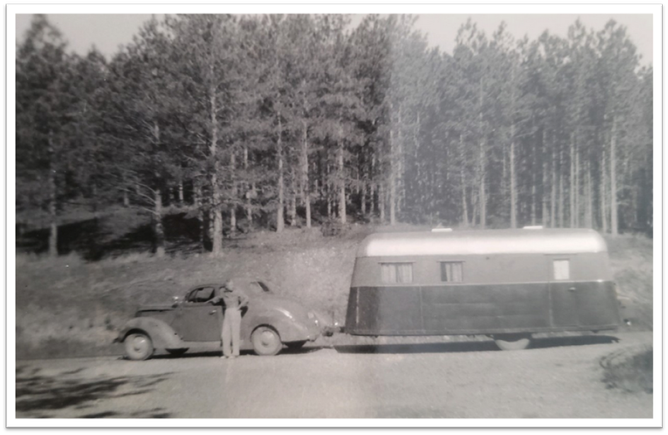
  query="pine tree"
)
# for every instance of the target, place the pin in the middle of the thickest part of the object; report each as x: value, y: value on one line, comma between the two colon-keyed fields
x: 42, y: 114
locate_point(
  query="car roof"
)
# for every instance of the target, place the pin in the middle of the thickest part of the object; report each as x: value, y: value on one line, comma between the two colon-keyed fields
x: 240, y: 280
x: 206, y: 284
x: 472, y: 242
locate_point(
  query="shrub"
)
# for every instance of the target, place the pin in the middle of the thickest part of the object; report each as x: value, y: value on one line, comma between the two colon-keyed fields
x: 332, y: 228
x: 629, y: 370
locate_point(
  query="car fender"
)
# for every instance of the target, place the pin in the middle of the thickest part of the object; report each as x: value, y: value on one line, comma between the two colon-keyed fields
x: 288, y: 328
x: 162, y: 335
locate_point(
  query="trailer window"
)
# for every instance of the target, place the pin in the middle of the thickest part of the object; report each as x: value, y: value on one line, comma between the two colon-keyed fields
x: 452, y: 271
x: 561, y: 269
x: 396, y: 273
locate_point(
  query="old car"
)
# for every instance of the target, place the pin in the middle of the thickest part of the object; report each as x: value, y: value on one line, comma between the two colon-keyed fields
x: 268, y: 323
x: 507, y: 284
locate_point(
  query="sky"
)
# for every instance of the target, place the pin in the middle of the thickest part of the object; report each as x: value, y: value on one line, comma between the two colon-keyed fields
x: 108, y: 31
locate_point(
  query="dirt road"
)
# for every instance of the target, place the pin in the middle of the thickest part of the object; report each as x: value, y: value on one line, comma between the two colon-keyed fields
x: 558, y: 378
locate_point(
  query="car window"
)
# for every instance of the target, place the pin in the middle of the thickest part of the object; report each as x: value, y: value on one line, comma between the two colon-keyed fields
x: 201, y: 294
x: 264, y: 286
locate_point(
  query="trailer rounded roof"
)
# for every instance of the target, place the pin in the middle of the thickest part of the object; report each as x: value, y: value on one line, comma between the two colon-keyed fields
x: 480, y: 242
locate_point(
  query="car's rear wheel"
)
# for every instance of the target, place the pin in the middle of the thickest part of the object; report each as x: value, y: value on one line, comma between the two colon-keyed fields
x: 266, y: 341
x: 512, y: 341
x: 138, y: 346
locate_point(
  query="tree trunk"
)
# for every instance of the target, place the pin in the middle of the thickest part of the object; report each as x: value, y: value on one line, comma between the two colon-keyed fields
x: 534, y: 189
x: 233, y: 205
x: 393, y: 179
x: 381, y: 202
x: 250, y: 190
x: 364, y: 186
x: 157, y: 222
x: 419, y: 183
x: 126, y: 191
x: 200, y: 215
x: 462, y: 175
x: 577, y: 182
x: 561, y: 190
x: 399, y: 170
x: 180, y: 192
x: 126, y: 197
x: 482, y: 197
x: 571, y: 196
x: 604, y: 219
x: 613, y: 179
x: 513, y: 188
x: 373, y: 187
x: 53, y: 198
x: 280, y: 223
x: 342, y: 180
x: 589, y: 217
x: 553, y: 193
x: 292, y: 201
x: 216, y: 197
x: 305, y: 178
x: 545, y: 175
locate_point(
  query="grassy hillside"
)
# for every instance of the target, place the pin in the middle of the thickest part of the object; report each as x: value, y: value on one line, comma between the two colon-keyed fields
x: 631, y: 259
x: 67, y: 306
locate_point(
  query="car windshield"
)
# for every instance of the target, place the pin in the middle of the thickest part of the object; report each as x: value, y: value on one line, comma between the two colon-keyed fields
x: 258, y: 288
x: 200, y: 294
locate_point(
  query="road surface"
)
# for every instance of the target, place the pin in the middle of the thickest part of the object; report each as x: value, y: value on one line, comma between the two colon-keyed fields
x: 558, y: 378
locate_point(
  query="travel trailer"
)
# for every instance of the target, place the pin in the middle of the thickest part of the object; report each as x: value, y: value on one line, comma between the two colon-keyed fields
x: 507, y: 284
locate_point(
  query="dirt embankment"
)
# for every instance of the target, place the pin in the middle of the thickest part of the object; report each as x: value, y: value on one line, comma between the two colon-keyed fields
x: 66, y: 306
x: 69, y: 307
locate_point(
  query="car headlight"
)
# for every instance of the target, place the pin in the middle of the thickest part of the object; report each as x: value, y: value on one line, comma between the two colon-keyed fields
x: 313, y: 317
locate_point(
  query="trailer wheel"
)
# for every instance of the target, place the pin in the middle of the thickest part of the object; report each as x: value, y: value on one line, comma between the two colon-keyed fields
x: 512, y: 341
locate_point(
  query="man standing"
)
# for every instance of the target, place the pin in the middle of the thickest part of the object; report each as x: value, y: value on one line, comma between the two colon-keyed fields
x: 233, y: 300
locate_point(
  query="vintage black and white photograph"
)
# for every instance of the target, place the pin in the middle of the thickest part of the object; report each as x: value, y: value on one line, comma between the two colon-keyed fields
x: 241, y: 216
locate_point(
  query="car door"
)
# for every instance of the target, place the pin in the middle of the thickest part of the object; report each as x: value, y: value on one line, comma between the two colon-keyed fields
x: 198, y: 320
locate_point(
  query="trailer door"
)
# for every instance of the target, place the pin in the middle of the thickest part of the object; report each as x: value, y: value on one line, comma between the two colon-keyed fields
x: 563, y: 291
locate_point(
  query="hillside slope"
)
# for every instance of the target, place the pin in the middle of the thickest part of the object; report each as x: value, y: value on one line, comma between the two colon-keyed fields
x: 67, y: 306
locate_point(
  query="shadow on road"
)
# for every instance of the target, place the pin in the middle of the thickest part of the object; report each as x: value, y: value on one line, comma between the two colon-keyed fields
x: 450, y: 347
x: 198, y: 353
x: 542, y: 343
x: 472, y: 346
x: 37, y: 393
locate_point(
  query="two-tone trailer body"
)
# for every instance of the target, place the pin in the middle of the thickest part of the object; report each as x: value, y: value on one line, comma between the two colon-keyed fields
x: 504, y: 283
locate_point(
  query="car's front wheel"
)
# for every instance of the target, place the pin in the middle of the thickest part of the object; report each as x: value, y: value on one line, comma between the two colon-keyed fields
x: 266, y: 341
x: 138, y: 346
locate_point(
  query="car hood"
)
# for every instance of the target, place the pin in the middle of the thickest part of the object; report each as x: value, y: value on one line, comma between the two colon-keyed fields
x: 156, y: 307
